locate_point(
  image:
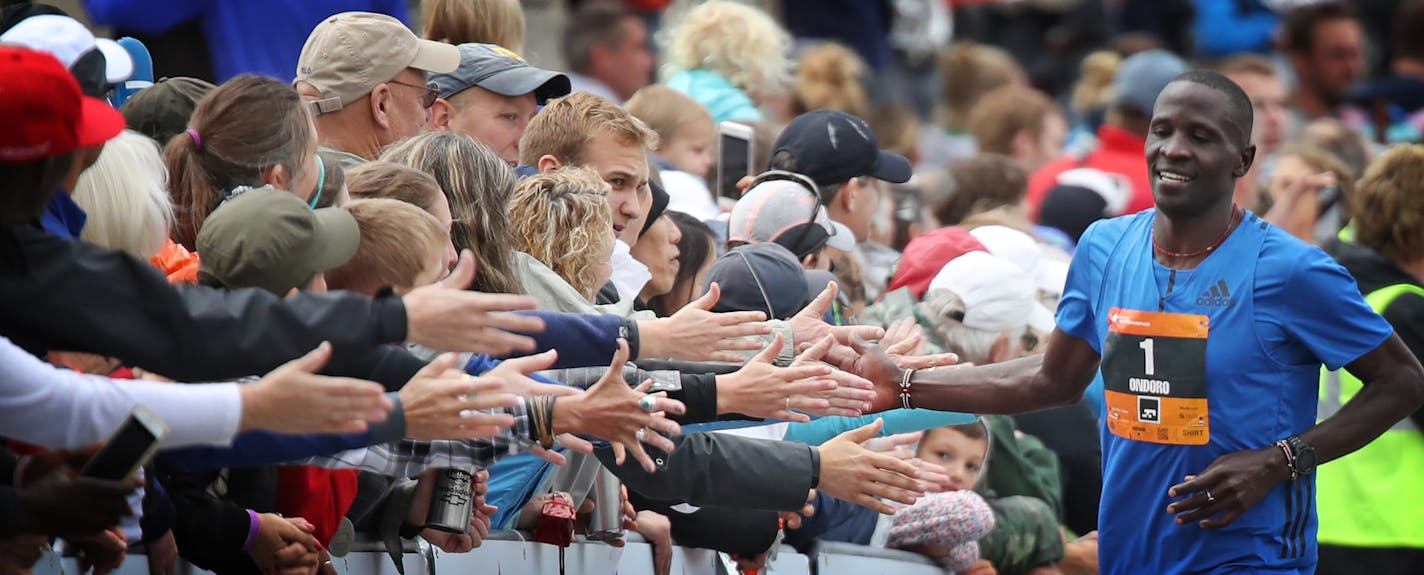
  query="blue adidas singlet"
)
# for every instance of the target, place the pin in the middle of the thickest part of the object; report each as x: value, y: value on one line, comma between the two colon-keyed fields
x: 1201, y: 363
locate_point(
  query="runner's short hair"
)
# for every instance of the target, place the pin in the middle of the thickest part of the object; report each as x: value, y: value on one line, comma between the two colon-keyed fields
x: 1241, y: 111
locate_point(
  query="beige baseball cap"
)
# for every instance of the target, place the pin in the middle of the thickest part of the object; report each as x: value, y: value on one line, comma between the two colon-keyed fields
x: 347, y: 54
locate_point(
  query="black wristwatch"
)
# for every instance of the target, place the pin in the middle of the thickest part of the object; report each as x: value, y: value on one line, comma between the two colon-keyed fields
x: 1300, y: 456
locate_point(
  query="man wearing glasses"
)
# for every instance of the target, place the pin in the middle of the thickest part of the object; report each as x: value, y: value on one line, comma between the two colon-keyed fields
x: 364, y: 76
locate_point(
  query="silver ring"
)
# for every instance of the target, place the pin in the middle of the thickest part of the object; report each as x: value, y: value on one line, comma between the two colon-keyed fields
x: 1209, y: 498
x: 648, y: 403
x: 640, y: 433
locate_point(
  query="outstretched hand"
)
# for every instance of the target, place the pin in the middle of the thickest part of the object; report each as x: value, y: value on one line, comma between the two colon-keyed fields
x: 282, y: 401
x: 852, y: 473
x: 869, y: 361
x: 696, y: 333
x: 447, y: 316
x: 1228, y: 487
x: 809, y: 324
x: 760, y: 389
x: 905, y: 342
x: 442, y: 402
x: 852, y: 395
x: 610, y: 410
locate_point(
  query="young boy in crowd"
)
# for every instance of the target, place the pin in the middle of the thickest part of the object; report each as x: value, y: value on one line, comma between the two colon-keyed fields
x: 687, y: 146
x: 402, y: 248
x: 948, y: 525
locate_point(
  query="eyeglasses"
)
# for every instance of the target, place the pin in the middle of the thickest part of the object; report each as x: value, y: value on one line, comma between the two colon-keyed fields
x: 432, y: 91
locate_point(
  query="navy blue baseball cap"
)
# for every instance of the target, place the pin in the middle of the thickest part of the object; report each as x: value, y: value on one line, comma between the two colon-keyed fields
x: 832, y: 147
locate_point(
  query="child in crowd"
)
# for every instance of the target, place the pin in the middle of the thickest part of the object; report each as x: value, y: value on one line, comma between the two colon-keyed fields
x: 948, y: 525
x: 686, y: 153
x: 402, y: 248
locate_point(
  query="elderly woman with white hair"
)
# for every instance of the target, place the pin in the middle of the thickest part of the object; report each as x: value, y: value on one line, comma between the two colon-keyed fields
x: 126, y: 198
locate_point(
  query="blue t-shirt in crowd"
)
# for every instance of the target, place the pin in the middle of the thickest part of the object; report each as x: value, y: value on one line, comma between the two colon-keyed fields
x: 1201, y: 363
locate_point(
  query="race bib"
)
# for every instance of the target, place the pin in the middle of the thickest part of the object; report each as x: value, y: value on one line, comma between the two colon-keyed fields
x: 1154, y: 374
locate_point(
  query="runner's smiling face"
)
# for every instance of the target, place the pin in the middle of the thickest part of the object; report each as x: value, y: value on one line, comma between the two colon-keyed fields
x: 1195, y: 149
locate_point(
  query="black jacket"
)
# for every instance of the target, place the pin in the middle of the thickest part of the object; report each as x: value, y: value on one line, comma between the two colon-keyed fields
x: 67, y: 295
x: 721, y: 470
x: 1373, y: 271
x: 64, y: 294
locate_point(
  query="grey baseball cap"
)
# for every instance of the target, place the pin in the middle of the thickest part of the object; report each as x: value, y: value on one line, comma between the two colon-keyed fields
x: 1143, y: 75
x: 780, y: 211
x: 500, y: 70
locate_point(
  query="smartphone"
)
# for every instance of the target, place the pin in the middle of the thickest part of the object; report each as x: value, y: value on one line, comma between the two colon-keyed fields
x: 129, y: 448
x: 734, y: 157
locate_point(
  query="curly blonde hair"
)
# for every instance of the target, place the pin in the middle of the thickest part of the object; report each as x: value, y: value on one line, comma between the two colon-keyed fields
x: 565, y: 222
x: 741, y: 43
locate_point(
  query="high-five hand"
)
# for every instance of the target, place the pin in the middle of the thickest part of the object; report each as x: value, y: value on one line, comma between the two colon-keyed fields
x: 448, y: 317
x: 611, y: 410
x: 696, y: 333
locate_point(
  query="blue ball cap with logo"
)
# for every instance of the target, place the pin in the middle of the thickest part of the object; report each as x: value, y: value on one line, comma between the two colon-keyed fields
x: 832, y: 147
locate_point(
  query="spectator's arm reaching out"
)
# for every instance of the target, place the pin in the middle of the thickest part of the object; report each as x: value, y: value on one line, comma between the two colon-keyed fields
x: 57, y: 408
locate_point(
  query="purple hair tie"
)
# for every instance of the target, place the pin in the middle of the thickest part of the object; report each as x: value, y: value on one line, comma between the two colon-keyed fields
x: 197, y: 140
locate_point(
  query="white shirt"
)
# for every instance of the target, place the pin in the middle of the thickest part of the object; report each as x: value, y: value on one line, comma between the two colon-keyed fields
x: 629, y: 275
x: 62, y: 409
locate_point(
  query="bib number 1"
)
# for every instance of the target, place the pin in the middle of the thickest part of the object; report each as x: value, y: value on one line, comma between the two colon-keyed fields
x: 1154, y: 372
x: 1151, y: 367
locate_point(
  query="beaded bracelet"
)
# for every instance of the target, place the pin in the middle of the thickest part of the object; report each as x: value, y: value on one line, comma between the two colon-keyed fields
x: 905, y: 388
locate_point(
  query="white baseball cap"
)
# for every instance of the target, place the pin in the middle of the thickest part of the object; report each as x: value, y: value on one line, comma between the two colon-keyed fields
x: 1019, y: 248
x: 68, y: 40
x: 998, y: 296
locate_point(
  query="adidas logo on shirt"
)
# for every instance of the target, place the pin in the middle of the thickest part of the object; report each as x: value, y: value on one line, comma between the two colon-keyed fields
x: 1217, y: 296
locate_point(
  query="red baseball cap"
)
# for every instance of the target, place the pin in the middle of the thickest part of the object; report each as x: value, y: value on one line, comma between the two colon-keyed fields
x: 926, y: 255
x: 44, y: 112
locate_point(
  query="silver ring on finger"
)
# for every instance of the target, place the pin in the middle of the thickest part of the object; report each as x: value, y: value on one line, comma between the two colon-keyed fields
x: 648, y: 403
x: 1209, y: 498
x: 642, y: 431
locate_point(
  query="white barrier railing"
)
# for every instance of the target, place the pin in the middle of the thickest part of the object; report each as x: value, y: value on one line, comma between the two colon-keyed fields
x: 506, y: 553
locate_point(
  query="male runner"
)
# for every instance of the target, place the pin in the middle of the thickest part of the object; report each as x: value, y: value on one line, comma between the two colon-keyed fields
x: 1209, y: 326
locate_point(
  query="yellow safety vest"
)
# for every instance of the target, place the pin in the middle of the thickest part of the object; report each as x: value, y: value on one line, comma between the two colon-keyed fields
x: 1372, y: 497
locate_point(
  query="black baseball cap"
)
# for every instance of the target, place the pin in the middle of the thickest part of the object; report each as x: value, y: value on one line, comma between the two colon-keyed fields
x: 831, y: 147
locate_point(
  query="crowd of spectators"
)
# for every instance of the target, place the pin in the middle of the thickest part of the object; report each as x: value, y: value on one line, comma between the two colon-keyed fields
x: 379, y: 244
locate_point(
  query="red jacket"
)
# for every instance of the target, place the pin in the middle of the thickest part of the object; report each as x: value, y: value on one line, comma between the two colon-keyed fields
x: 1119, y: 152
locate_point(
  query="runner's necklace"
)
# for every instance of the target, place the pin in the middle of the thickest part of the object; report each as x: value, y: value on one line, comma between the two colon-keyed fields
x: 1230, y: 225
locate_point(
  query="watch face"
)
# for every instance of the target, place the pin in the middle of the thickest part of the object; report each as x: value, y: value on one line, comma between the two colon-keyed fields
x: 1305, y: 460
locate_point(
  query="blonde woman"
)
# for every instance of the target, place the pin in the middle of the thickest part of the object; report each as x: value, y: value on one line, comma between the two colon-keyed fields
x: 727, y: 56
x: 564, y: 222
x: 499, y: 22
